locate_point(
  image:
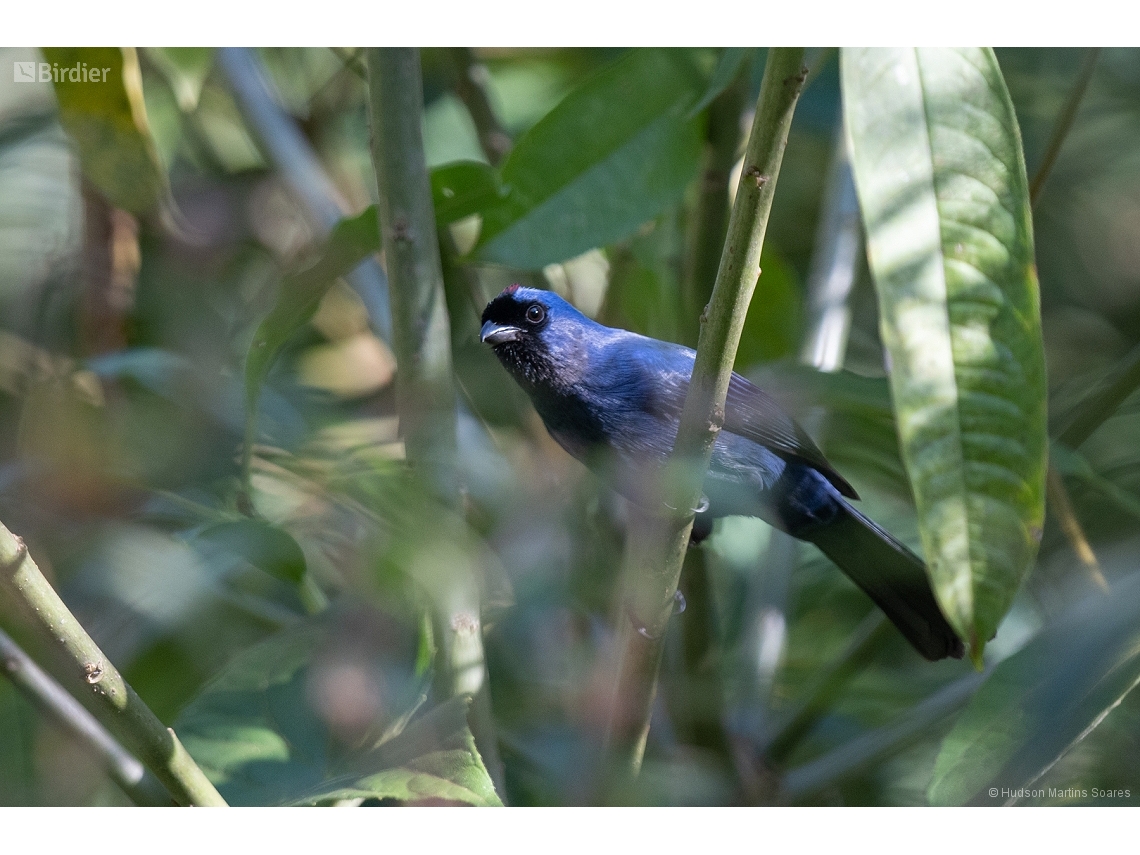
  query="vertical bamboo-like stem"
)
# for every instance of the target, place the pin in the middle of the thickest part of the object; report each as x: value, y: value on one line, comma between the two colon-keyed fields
x: 699, y: 688
x: 658, y: 543
x: 425, y: 395
x: 420, y: 329
x: 96, y: 679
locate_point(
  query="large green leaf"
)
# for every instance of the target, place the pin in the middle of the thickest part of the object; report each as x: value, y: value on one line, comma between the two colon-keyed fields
x: 265, y: 730
x: 940, y: 176
x: 101, y: 107
x: 1042, y: 701
x: 609, y: 157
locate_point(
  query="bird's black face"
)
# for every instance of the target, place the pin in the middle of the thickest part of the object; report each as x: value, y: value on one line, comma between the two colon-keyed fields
x: 513, y: 324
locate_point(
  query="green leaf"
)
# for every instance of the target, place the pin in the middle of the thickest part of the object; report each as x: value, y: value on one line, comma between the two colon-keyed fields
x: 106, y: 119
x: 433, y: 759
x: 461, y: 189
x: 265, y: 546
x: 940, y: 176
x: 727, y: 65
x: 266, y: 729
x: 352, y: 240
x: 1043, y: 700
x: 1074, y: 464
x: 185, y: 69
x: 609, y: 157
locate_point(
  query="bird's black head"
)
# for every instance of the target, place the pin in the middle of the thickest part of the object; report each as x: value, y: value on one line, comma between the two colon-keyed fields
x: 536, y: 335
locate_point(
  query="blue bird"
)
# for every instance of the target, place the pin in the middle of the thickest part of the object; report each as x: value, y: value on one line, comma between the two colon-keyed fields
x: 613, y: 400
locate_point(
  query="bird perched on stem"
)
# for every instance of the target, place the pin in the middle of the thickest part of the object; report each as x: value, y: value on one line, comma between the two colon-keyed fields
x: 613, y: 400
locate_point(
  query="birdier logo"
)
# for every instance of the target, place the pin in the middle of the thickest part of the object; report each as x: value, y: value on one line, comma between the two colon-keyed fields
x: 51, y: 72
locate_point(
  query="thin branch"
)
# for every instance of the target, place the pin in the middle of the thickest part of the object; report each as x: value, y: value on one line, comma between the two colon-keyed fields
x: 425, y: 394
x: 830, y: 280
x: 1058, y: 496
x: 1063, y: 124
x: 123, y: 711
x: 52, y: 699
x: 471, y: 79
x: 1062, y: 508
x: 658, y: 543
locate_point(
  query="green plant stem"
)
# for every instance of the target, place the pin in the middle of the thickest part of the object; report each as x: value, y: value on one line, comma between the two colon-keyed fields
x: 1061, y: 506
x: 425, y: 395
x: 1064, y: 124
x: 658, y: 542
x: 52, y: 699
x: 709, y: 218
x: 1057, y: 495
x: 471, y: 78
x: 97, y: 680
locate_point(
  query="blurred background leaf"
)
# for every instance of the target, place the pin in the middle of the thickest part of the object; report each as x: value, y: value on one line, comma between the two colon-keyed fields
x: 106, y: 119
x: 324, y: 712
x: 1042, y: 701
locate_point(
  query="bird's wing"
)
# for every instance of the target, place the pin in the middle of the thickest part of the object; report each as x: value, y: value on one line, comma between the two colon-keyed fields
x: 752, y: 413
x: 749, y: 411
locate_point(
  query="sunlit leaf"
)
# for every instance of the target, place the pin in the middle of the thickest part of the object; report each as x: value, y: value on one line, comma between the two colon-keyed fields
x: 270, y: 728
x: 106, y: 119
x: 609, y: 157
x: 941, y: 181
x: 1040, y: 702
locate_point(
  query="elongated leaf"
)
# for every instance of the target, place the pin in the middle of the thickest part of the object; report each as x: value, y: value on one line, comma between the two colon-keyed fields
x: 265, y: 546
x: 462, y: 188
x: 270, y: 728
x: 1043, y: 700
x: 101, y: 107
x: 941, y: 181
x: 352, y: 240
x: 609, y: 157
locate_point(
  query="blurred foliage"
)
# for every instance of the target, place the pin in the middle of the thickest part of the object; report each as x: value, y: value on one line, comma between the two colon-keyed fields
x: 292, y: 650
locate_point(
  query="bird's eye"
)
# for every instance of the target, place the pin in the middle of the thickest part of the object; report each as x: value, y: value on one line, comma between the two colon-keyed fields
x: 535, y: 313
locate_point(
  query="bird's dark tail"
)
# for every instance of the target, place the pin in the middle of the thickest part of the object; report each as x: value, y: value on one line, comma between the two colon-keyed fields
x: 891, y: 575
